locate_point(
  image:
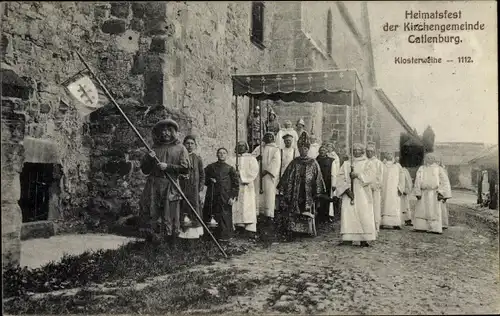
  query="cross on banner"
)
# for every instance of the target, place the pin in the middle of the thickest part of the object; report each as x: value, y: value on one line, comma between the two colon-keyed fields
x: 87, y: 93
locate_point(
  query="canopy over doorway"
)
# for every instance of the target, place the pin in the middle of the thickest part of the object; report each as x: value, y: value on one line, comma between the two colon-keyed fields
x: 332, y: 86
x: 338, y: 87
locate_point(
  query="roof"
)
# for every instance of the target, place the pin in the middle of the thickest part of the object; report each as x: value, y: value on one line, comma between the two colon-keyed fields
x: 487, y: 158
x: 329, y: 86
x: 458, y: 153
x: 394, y: 111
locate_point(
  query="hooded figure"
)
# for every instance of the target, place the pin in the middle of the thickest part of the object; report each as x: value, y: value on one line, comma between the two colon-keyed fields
x: 160, y: 202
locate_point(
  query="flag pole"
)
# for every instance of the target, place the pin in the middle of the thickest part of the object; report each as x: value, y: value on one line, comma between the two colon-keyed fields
x: 176, y: 186
x: 352, y: 144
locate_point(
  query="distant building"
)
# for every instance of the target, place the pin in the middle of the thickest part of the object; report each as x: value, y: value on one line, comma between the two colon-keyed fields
x: 487, y: 160
x: 456, y: 157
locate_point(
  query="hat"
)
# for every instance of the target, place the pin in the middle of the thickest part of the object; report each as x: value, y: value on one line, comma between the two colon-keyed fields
x: 271, y: 111
x: 358, y: 146
x: 301, y: 121
x: 165, y: 123
x: 303, y: 141
x: 370, y: 146
x: 287, y: 135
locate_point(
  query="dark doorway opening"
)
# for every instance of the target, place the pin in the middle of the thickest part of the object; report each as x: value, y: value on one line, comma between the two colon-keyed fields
x: 36, y: 181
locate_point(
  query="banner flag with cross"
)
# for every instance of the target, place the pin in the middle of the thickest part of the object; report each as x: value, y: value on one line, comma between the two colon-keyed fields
x: 87, y: 94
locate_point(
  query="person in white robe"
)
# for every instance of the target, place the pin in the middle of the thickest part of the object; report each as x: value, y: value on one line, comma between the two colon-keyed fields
x: 270, y: 158
x: 245, y: 208
x: 376, y: 186
x: 356, y: 222
x: 287, y: 154
x: 314, y: 149
x: 287, y: 129
x: 334, y: 211
x: 392, y: 190
x: 405, y: 199
x: 430, y: 188
x: 447, y: 187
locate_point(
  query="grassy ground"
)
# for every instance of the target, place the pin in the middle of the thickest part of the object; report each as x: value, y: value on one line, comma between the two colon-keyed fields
x: 134, y: 261
x: 186, y: 290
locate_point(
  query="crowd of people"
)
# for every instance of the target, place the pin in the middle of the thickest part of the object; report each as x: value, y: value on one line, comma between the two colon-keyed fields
x: 284, y: 185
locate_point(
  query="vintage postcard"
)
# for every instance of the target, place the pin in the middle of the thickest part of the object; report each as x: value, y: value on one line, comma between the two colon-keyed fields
x: 249, y: 157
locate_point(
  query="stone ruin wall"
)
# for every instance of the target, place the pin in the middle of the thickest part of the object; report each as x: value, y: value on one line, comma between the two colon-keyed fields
x: 158, y: 60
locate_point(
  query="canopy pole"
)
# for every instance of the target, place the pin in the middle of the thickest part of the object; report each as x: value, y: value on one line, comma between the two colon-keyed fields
x: 352, y: 143
x: 261, y: 191
x: 236, y: 124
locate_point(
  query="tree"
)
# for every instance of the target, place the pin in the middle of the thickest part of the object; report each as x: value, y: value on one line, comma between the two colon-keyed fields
x: 428, y: 139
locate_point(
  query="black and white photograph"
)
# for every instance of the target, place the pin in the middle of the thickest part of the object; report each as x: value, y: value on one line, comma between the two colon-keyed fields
x: 249, y: 158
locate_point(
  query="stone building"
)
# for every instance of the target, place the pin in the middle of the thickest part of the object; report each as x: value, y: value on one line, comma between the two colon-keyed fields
x: 159, y: 59
x: 456, y: 157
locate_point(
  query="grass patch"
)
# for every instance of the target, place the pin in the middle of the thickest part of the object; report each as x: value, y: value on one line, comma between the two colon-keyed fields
x: 188, y: 290
x: 134, y: 261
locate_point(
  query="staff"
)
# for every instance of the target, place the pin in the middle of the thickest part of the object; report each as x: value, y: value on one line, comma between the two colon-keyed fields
x: 176, y: 186
x: 352, y: 150
x: 261, y: 191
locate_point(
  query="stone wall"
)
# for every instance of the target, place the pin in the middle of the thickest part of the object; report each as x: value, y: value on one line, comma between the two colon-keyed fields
x: 193, y: 63
x: 41, y: 38
x: 13, y: 126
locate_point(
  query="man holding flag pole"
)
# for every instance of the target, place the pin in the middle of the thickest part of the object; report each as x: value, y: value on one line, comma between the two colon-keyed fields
x: 82, y: 89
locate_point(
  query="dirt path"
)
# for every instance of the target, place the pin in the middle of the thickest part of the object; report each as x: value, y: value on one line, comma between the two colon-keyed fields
x: 404, y: 273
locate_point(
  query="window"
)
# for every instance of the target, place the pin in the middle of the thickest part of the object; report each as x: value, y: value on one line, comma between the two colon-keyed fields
x: 257, y: 33
x: 329, y: 32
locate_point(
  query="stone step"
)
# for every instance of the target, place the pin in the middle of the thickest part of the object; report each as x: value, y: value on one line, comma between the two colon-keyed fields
x: 38, y: 229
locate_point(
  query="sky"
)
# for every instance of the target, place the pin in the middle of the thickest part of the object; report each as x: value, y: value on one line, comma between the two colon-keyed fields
x: 459, y: 101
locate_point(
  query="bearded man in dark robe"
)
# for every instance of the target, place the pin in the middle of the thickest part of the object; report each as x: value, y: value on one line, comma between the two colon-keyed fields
x: 301, y: 185
x: 160, y: 202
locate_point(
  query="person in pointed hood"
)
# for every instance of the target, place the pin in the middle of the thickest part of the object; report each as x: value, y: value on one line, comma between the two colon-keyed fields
x: 160, y: 201
x: 301, y: 128
x: 272, y: 124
